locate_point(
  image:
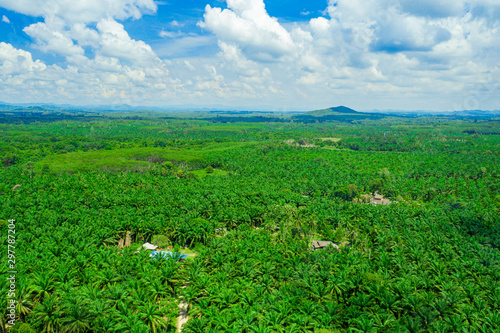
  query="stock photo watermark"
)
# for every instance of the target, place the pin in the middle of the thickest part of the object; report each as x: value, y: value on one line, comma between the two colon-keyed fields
x: 481, y: 93
x: 12, y: 272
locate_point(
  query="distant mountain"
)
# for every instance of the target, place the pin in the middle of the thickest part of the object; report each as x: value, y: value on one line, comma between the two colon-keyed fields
x: 338, y: 113
x: 338, y: 110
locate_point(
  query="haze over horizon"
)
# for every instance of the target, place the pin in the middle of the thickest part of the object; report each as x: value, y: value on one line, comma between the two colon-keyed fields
x: 439, y: 55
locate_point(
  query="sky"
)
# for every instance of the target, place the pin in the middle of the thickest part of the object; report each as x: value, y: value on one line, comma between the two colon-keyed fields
x: 439, y: 55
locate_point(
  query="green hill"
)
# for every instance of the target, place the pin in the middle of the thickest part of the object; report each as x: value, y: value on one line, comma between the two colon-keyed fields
x: 339, y: 113
x: 339, y: 110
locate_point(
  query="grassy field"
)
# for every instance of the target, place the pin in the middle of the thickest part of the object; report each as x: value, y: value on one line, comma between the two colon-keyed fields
x: 132, y: 159
x: 330, y: 139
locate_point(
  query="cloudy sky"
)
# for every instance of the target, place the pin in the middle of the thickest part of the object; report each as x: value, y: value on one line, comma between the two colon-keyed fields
x: 282, y: 55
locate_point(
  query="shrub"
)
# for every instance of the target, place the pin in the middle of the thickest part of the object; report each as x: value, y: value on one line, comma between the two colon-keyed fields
x: 160, y: 240
x: 22, y: 328
x: 45, y: 169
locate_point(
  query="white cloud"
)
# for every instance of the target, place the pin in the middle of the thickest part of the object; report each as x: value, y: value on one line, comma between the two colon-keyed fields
x: 102, y: 80
x: 49, y: 37
x: 115, y: 42
x: 371, y: 47
x: 66, y: 30
x: 247, y: 24
x: 14, y: 61
x: 170, y: 34
x: 5, y: 19
x: 362, y: 53
x: 82, y: 11
x: 408, y: 33
x: 123, y: 70
x: 84, y: 35
x: 107, y: 64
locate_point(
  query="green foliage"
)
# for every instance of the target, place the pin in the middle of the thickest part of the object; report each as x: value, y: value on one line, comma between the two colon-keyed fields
x: 203, y: 173
x: 376, y: 184
x: 22, y: 328
x: 191, y: 232
x: 160, y: 240
x: 181, y: 174
x: 167, y: 165
x: 209, y: 169
x: 45, y: 169
x: 132, y: 159
x: 429, y: 263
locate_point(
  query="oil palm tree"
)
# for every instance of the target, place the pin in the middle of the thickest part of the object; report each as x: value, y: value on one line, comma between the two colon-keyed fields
x: 153, y: 317
x: 76, y: 317
x: 48, y: 314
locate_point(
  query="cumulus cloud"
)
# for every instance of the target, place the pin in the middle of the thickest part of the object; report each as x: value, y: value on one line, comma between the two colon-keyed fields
x: 97, y: 30
x: 247, y: 24
x: 408, y: 33
x: 122, y: 69
x: 49, y: 37
x: 101, y: 80
x: 14, y: 61
x: 82, y: 11
x: 107, y: 38
x: 5, y: 19
x: 115, y: 42
x: 370, y: 46
x: 84, y: 35
x: 359, y: 52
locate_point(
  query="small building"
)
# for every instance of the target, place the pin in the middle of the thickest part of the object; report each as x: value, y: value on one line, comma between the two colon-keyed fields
x: 149, y: 246
x: 319, y: 244
x: 379, y: 199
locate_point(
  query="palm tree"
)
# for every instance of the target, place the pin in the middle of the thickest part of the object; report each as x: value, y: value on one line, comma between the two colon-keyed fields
x: 3, y: 316
x: 47, y: 313
x: 43, y: 284
x: 132, y: 323
x: 76, y: 318
x: 24, y: 301
x: 104, y: 323
x: 153, y: 317
x: 116, y: 294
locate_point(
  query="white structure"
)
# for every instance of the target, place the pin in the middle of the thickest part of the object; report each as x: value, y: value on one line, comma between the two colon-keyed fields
x: 148, y: 246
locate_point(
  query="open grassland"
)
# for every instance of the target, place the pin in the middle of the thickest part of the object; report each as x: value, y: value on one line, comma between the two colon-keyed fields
x: 128, y: 159
x: 132, y: 159
x: 331, y: 139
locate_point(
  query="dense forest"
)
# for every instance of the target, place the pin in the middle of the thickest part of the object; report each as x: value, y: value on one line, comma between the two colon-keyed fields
x: 246, y: 199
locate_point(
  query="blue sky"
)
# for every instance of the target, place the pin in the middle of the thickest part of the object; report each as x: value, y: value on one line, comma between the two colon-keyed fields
x: 366, y: 54
x: 185, y: 14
